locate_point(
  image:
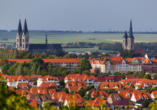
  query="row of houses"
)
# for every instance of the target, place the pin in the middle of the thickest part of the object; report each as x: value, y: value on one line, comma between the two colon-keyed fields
x: 125, y: 91
x: 119, y: 64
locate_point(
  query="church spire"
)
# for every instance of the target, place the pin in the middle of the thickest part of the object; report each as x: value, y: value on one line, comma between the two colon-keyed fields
x: 46, y: 38
x: 19, y: 28
x: 25, y: 29
x: 130, y: 31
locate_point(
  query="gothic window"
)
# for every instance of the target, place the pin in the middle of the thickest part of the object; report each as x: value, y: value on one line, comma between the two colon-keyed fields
x: 26, y: 45
x: 26, y: 40
x: 23, y: 45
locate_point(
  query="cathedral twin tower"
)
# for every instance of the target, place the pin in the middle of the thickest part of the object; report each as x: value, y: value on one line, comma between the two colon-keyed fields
x: 128, y: 41
x: 22, y: 37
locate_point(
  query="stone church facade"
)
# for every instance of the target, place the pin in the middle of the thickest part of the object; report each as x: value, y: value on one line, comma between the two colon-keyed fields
x: 128, y: 41
x: 22, y: 42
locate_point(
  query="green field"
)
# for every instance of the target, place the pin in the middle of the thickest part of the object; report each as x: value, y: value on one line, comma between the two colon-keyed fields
x: 87, y: 49
x: 39, y: 37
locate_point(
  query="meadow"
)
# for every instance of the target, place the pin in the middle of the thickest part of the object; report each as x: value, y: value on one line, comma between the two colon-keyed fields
x: 39, y: 37
x: 63, y: 38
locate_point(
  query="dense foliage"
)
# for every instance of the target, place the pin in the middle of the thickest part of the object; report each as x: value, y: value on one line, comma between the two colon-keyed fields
x: 128, y: 53
x: 80, y: 45
x: 35, y: 66
x: 148, y: 47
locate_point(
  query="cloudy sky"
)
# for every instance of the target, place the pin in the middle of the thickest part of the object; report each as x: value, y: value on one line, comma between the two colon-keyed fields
x: 85, y: 15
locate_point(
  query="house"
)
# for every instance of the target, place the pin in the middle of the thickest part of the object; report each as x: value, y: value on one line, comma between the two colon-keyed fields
x: 101, y: 94
x: 24, y: 86
x: 72, y: 99
x: 41, y: 90
x: 60, y: 96
x: 108, y: 78
x: 88, y: 79
x: 47, y: 79
x: 145, y: 83
x: 113, y: 98
x: 153, y: 95
x: 95, y: 103
x: 111, y: 85
x: 122, y: 104
x: 127, y: 94
x: 75, y: 86
x: 32, y: 102
x: 14, y: 81
x: 149, y: 65
x: 22, y: 92
x: 48, y: 85
x: 128, y: 87
x: 42, y: 98
x: 69, y: 64
x: 137, y: 96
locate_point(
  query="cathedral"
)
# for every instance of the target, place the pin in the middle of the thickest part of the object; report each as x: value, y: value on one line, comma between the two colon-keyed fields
x: 22, y: 42
x: 128, y: 41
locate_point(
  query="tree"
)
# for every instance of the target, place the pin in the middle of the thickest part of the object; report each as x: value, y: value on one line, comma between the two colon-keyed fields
x: 12, y: 101
x: 34, y: 69
x: 5, y: 68
x: 65, y: 90
x: 85, y: 65
x: 61, y: 81
x: 37, y: 60
x: 49, y: 67
x: 46, y: 105
x: 147, y: 76
x: 141, y: 74
x: 81, y: 92
x: 70, y: 56
x: 89, y: 87
x: 86, y: 72
x: 19, y: 70
x: 145, y: 103
x: 97, y: 94
x: 104, y: 55
x: 15, y: 56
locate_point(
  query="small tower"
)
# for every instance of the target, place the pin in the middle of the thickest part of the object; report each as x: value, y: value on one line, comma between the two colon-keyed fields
x: 25, y: 37
x: 46, y: 38
x: 19, y: 36
x: 130, y: 39
x: 125, y: 37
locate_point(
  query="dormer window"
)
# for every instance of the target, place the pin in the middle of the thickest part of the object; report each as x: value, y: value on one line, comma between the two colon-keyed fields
x: 14, y: 79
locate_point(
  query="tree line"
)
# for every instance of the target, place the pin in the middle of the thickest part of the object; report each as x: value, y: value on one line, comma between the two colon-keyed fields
x: 148, y: 47
x: 37, y: 66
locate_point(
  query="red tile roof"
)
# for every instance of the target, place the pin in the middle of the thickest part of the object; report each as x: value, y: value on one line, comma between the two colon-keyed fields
x: 32, y: 102
x: 121, y: 102
x: 50, y: 84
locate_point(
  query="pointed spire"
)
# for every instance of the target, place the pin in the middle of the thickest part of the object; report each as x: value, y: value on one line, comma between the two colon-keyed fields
x: 46, y: 38
x: 125, y: 35
x: 25, y: 29
x: 130, y: 32
x: 19, y: 27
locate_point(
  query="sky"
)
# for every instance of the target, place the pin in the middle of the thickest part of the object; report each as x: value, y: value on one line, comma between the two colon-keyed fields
x: 84, y: 15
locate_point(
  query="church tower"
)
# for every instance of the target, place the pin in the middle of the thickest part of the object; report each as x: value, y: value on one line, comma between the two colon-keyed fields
x: 19, y: 36
x: 130, y: 39
x: 125, y: 37
x: 25, y: 38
